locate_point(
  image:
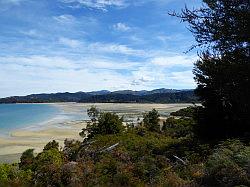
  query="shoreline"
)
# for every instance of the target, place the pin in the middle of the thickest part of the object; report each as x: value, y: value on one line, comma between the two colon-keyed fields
x: 38, y: 135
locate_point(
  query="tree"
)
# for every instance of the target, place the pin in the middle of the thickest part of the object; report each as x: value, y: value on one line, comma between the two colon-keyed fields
x: 51, y: 145
x: 93, y: 113
x: 221, y: 28
x: 102, y: 123
x: 27, y: 159
x: 47, y: 167
x: 151, y: 120
x: 108, y: 123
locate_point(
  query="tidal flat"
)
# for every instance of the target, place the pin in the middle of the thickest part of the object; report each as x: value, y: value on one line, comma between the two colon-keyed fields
x: 36, y: 136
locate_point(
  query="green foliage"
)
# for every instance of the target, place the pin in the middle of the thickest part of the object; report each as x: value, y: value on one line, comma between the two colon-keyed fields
x: 71, y: 149
x: 51, y: 145
x: 93, y: 113
x: 10, y: 175
x: 178, y: 127
x: 151, y: 120
x: 186, y: 112
x: 27, y: 159
x: 47, y: 167
x: 138, y: 156
x: 48, y: 157
x: 107, y: 123
x: 222, y: 72
x: 225, y: 98
x: 228, y: 165
x: 6, y: 172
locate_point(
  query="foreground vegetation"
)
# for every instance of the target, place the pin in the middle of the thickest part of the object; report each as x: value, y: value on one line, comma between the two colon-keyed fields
x: 114, y: 154
x: 200, y: 146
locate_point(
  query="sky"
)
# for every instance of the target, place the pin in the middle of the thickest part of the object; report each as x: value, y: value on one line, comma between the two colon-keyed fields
x: 49, y: 46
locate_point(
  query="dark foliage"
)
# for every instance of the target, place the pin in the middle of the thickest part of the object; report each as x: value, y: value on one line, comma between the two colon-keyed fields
x: 223, y: 70
x: 27, y: 159
x: 187, y: 112
x: 154, y: 96
x: 102, y: 123
x: 151, y: 120
x: 176, y: 97
x: 171, y: 157
x: 51, y: 145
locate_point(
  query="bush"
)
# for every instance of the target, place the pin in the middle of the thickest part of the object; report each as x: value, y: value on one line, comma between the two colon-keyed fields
x: 186, y: 112
x: 6, y: 173
x: 228, y: 165
x: 27, y: 159
x: 51, y: 145
x: 151, y: 120
x: 47, y: 167
x: 178, y: 127
x: 108, y: 123
x: 71, y: 149
x: 10, y: 175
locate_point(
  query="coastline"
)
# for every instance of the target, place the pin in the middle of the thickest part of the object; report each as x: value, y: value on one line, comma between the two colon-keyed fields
x: 38, y: 135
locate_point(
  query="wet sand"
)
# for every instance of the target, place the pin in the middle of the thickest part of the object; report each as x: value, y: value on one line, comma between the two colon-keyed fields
x: 12, y: 145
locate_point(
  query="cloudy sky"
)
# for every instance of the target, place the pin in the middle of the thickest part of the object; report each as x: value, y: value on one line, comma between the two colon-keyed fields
x: 83, y: 45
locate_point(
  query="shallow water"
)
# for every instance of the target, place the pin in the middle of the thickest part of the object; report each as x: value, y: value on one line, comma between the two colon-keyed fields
x: 15, y: 116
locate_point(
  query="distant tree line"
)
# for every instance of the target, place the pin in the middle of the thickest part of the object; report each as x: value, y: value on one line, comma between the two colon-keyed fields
x: 172, y: 97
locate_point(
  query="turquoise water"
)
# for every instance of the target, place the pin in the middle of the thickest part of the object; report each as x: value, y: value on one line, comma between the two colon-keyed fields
x: 15, y: 116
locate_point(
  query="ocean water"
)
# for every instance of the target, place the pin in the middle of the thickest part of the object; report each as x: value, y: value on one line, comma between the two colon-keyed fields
x: 16, y: 116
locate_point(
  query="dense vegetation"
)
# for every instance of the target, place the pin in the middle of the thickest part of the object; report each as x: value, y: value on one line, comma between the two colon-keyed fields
x: 221, y: 28
x: 206, y: 146
x: 133, y: 155
x: 125, y: 96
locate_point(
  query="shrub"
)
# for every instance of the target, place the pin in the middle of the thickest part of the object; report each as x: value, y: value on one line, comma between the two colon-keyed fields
x: 228, y: 165
x: 108, y: 123
x: 47, y: 170
x: 27, y: 159
x: 71, y: 149
x: 190, y: 111
x: 151, y: 120
x: 178, y: 127
x: 10, y: 175
x: 51, y: 145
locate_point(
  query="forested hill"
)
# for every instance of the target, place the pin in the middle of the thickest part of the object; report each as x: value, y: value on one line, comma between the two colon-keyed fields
x: 123, y: 96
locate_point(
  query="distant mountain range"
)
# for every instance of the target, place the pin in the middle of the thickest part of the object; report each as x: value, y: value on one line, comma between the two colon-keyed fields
x: 104, y: 96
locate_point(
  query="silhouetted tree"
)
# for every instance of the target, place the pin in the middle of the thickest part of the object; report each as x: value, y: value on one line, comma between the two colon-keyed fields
x: 221, y: 29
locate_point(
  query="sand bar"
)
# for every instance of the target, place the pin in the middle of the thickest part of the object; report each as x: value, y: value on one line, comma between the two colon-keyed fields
x: 59, y: 129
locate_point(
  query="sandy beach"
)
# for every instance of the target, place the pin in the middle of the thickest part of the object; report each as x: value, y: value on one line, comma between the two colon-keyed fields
x: 12, y: 145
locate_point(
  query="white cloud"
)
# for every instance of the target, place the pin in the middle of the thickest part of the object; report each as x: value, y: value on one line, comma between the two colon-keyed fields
x: 121, y: 27
x: 96, y: 4
x: 183, y: 79
x: 69, y: 42
x: 38, y: 74
x: 66, y: 18
x: 38, y: 61
x: 111, y: 64
x: 115, y: 48
x: 31, y: 33
x: 8, y: 4
x: 177, y: 60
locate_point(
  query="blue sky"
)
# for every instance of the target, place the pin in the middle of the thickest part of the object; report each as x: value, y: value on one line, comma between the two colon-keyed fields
x: 83, y: 45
